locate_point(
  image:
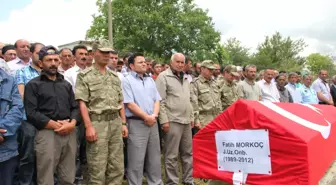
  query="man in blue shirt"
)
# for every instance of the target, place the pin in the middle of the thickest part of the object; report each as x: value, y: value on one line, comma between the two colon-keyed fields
x: 11, y: 113
x: 142, y: 102
x: 26, y: 132
x: 308, y: 94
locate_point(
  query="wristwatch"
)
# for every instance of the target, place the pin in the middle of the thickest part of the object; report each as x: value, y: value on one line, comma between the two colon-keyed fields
x: 123, y: 123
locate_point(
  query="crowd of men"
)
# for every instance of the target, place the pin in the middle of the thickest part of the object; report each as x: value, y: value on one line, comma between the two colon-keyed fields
x: 62, y: 110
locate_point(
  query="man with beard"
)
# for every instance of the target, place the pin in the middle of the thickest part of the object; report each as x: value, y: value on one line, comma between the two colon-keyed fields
x: 216, y: 71
x: 99, y: 93
x: 23, y: 59
x: 81, y: 55
x: 149, y: 63
x: 248, y: 89
x: 66, y: 60
x: 197, y: 70
x: 187, y: 69
x: 51, y: 107
x: 26, y: 132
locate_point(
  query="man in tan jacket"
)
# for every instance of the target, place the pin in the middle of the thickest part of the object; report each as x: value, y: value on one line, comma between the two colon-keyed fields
x: 176, y: 119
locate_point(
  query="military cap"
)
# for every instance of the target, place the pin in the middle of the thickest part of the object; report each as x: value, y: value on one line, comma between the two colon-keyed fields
x: 103, y: 45
x: 208, y: 64
x: 232, y: 69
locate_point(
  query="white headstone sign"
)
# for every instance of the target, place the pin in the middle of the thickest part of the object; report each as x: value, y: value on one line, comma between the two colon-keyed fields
x: 245, y: 151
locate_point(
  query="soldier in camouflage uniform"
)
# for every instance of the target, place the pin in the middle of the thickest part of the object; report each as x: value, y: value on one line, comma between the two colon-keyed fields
x: 205, y: 96
x: 228, y: 88
x: 229, y: 94
x: 101, y: 104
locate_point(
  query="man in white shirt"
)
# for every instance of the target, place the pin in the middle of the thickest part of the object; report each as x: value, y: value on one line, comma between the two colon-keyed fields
x: 322, y: 88
x: 291, y: 87
x: 22, y: 48
x: 269, y: 91
x: 66, y: 60
x: 113, y: 63
x: 80, y: 53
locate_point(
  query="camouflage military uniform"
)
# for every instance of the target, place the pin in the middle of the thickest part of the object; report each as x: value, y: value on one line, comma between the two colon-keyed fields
x: 205, y: 97
x: 229, y: 94
x: 103, y: 96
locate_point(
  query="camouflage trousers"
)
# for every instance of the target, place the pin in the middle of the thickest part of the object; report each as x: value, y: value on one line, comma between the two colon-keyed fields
x: 206, y: 118
x: 105, y: 156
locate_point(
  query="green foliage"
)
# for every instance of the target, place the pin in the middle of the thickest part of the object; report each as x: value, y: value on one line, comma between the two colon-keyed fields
x: 157, y: 27
x: 237, y: 54
x: 280, y: 53
x: 316, y: 62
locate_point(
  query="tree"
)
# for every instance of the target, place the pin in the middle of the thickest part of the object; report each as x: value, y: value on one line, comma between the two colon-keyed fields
x: 157, y: 27
x: 219, y: 55
x: 316, y: 62
x: 280, y: 53
x: 238, y: 54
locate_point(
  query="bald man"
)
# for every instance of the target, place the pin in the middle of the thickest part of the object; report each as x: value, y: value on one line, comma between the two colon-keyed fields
x: 176, y: 117
x: 22, y: 48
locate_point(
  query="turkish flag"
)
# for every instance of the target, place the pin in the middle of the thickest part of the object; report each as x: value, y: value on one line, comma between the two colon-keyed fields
x: 302, y: 141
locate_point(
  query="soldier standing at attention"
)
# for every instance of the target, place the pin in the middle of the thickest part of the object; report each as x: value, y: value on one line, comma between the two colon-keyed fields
x: 228, y: 88
x: 101, y: 105
x: 229, y: 94
x: 205, y: 96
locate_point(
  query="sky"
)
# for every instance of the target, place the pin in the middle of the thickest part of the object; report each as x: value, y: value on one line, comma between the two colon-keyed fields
x: 58, y: 22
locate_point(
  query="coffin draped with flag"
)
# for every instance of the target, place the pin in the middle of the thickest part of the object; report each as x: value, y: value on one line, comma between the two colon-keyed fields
x: 302, y: 141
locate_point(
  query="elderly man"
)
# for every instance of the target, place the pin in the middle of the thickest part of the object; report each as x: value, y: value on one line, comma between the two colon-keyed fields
x: 322, y: 88
x: 176, y: 119
x: 269, y: 91
x: 308, y: 93
x: 292, y: 88
x: 285, y: 95
x: 9, y: 53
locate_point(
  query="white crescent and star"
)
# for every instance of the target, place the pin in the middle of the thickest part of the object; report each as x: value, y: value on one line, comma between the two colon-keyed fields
x: 324, y: 130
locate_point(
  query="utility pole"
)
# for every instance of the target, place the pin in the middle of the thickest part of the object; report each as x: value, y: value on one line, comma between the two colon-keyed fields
x: 110, y: 33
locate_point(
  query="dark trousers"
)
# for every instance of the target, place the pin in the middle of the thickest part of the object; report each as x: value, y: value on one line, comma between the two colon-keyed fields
x: 81, y: 154
x: 26, y: 168
x: 7, y: 171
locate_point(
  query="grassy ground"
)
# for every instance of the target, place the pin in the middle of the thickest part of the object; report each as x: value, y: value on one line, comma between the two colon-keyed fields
x: 197, y: 181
